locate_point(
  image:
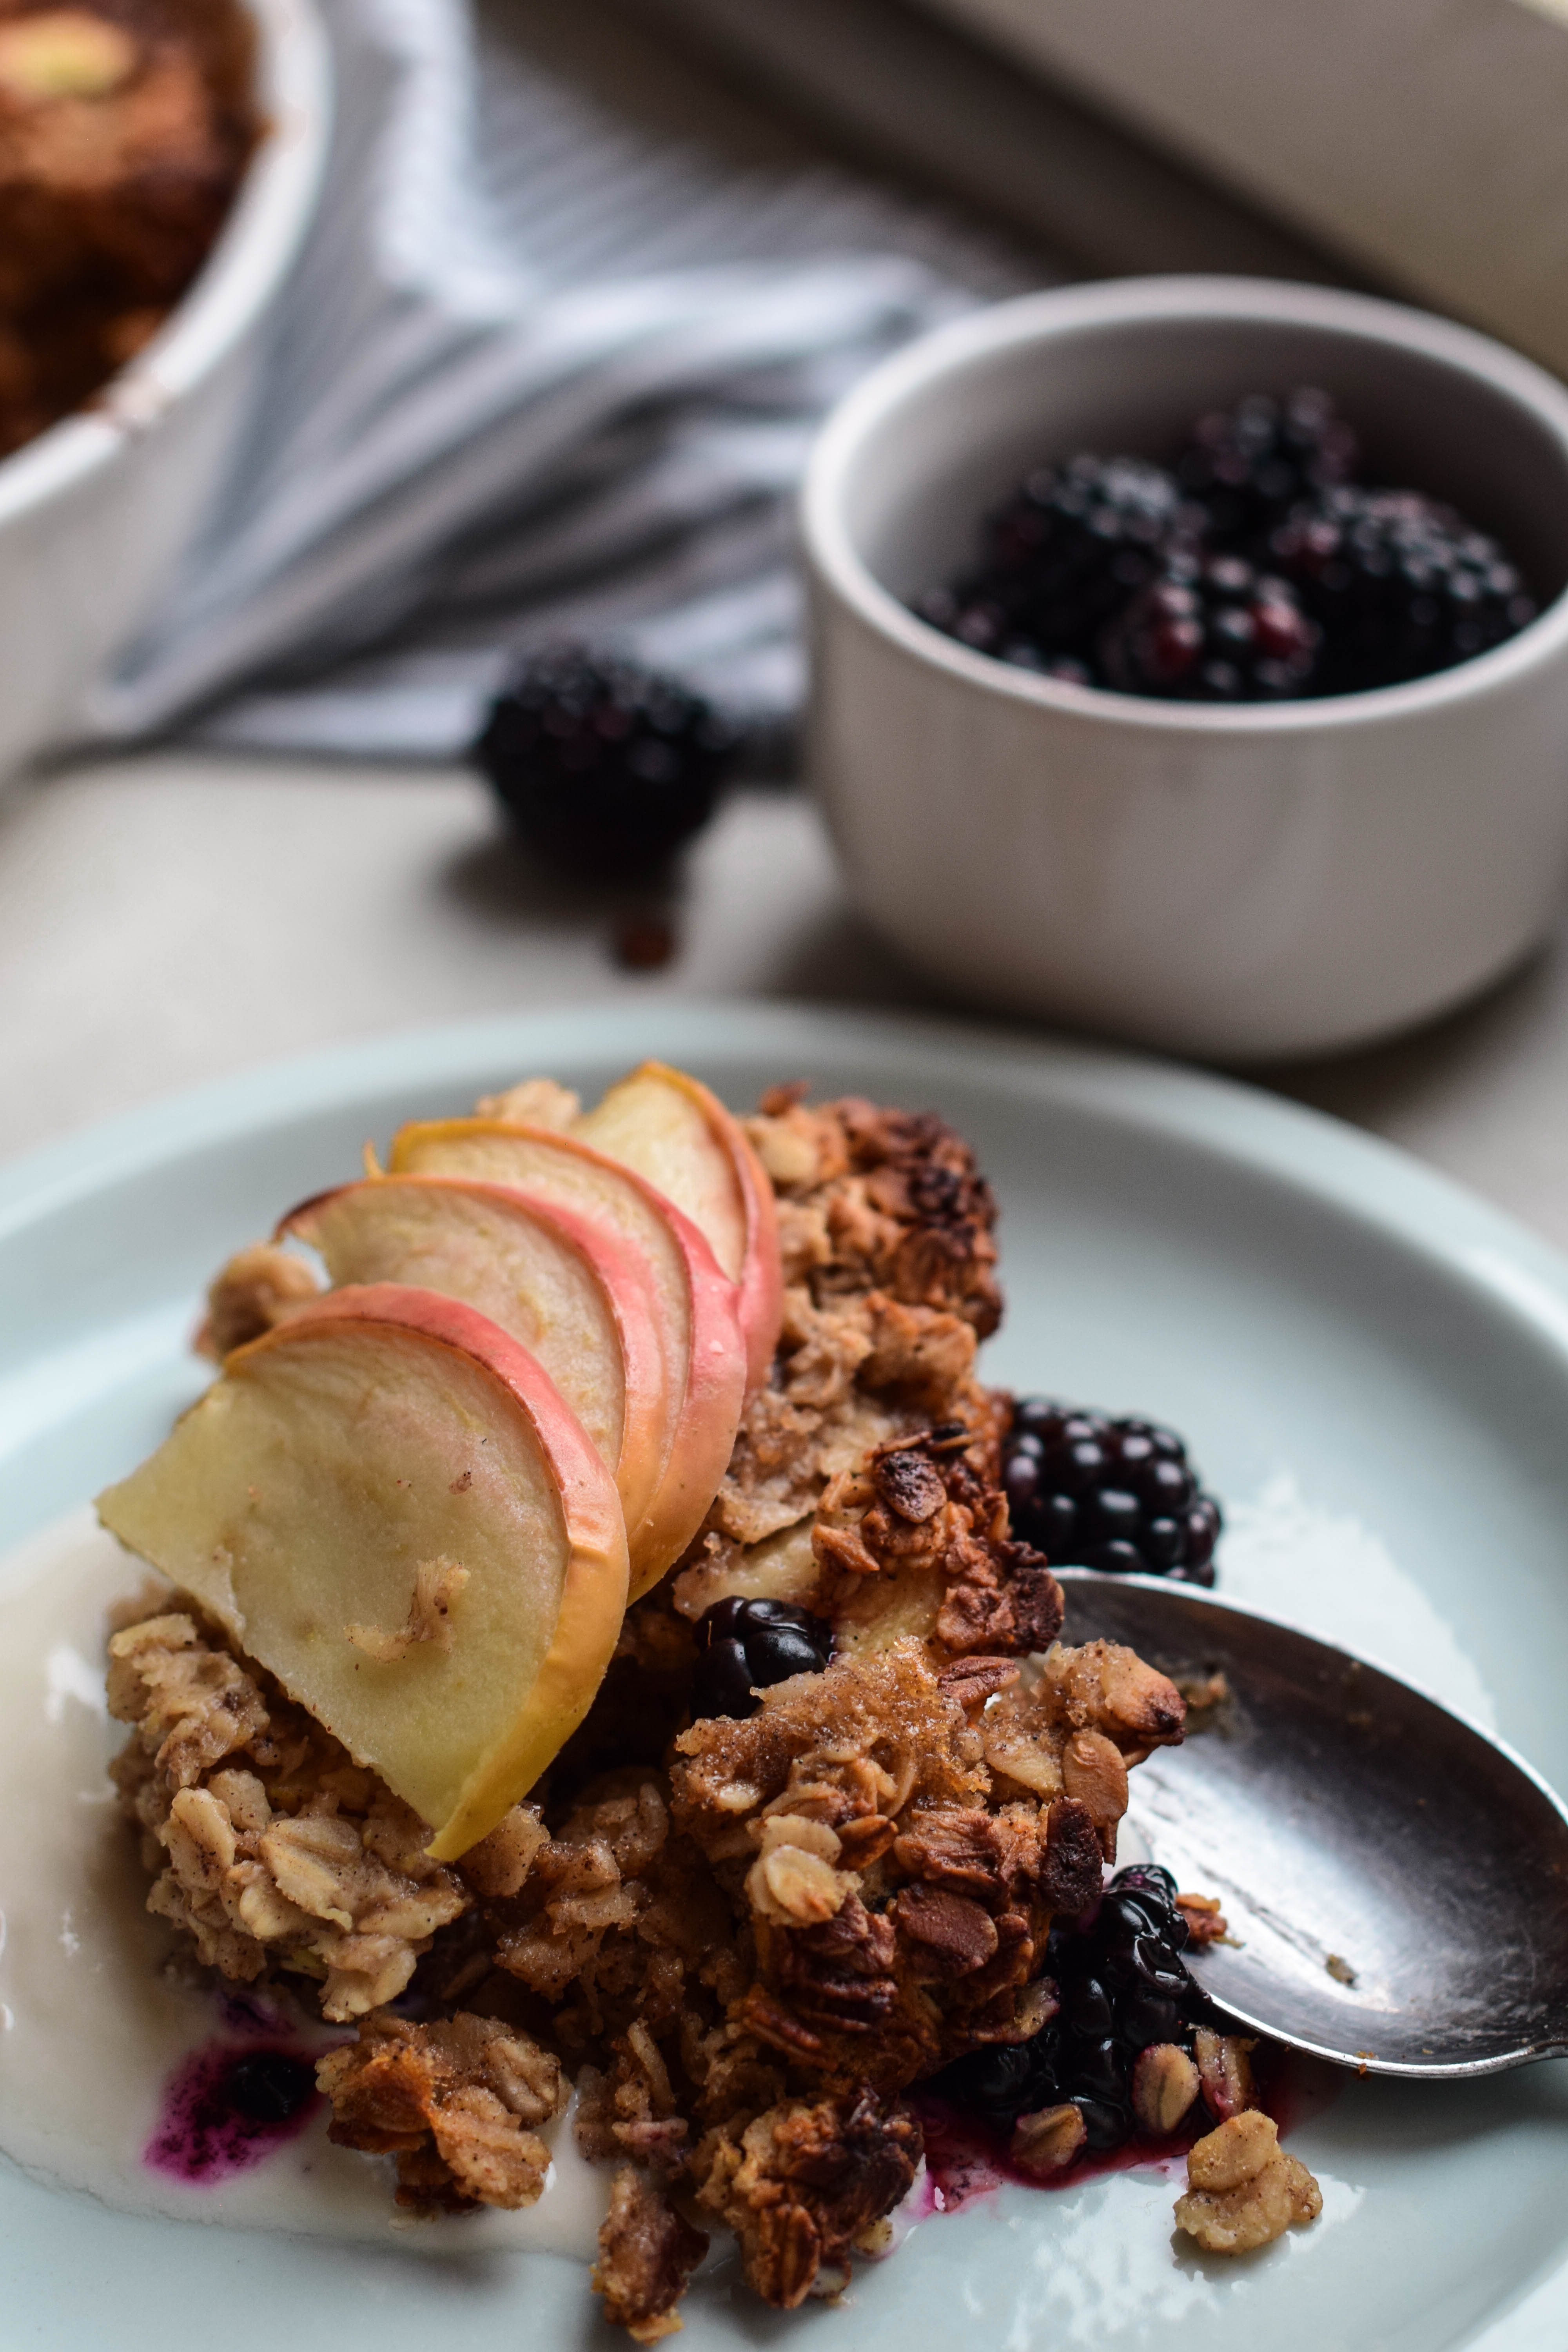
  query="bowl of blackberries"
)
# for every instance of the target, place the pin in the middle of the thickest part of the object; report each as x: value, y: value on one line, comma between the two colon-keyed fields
x: 1191, y: 660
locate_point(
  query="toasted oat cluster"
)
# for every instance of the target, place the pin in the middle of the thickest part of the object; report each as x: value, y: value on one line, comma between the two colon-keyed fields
x: 744, y: 1939
x: 1243, y: 2189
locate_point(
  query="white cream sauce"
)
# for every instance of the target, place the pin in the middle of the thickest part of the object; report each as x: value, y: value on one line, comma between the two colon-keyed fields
x: 93, y: 2023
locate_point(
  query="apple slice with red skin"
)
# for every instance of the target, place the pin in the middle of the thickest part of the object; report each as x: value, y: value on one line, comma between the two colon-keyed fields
x: 705, y: 1357
x: 670, y: 1127
x: 575, y: 1294
x: 383, y: 1446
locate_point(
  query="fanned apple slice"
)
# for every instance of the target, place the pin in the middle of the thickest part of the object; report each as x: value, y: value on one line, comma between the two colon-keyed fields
x: 705, y: 1357
x: 671, y: 1129
x: 388, y: 1505
x: 577, y: 1297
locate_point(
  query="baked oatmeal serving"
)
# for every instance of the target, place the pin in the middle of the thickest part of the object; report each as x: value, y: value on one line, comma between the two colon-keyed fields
x: 603, y: 1668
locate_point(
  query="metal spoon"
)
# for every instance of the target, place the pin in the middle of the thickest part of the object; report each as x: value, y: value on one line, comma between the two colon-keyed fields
x: 1395, y: 1881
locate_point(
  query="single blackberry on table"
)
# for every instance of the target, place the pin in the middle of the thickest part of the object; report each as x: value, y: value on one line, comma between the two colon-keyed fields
x: 603, y: 766
x: 1399, y: 584
x: 1090, y: 1492
x: 1212, y: 629
x: 1249, y: 466
x: 1123, y: 1987
x: 744, y: 1646
x: 1066, y: 550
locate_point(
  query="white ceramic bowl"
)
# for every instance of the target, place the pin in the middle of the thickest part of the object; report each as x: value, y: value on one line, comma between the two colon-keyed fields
x: 1237, y: 882
x: 95, y: 513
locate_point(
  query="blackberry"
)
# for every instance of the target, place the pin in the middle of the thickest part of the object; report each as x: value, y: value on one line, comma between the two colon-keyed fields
x: 749, y: 1644
x: 1210, y: 629
x: 268, y: 2086
x: 603, y: 768
x: 1400, y: 585
x: 1090, y: 1492
x: 1123, y: 1986
x: 1066, y: 551
x: 1251, y: 570
x: 1249, y: 466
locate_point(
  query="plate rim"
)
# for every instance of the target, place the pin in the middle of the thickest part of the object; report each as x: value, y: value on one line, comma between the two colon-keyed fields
x: 1310, y: 1152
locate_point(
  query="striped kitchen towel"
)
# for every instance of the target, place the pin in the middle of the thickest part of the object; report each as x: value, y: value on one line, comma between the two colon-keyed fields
x: 547, y: 368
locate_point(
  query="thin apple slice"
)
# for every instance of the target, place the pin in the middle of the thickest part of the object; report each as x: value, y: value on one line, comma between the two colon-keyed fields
x: 388, y: 1504
x: 670, y: 1127
x: 575, y: 1294
x: 705, y: 1357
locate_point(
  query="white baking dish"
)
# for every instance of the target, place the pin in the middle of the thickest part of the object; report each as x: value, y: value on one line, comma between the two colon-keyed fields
x: 95, y: 513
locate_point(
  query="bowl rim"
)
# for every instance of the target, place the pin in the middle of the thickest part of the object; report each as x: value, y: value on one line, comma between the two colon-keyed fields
x: 249, y: 258
x: 1042, y: 317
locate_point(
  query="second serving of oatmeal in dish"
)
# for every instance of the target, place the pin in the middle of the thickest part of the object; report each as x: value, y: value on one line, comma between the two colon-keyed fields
x: 595, y: 1654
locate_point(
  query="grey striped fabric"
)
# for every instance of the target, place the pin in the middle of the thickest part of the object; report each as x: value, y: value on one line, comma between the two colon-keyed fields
x: 542, y: 371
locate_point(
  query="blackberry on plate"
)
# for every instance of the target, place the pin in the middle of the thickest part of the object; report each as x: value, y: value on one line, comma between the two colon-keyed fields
x: 1122, y: 1988
x: 1249, y: 466
x: 1069, y: 549
x: 602, y: 766
x: 744, y: 1646
x: 268, y: 2086
x: 1091, y: 1492
x: 1210, y: 629
x: 1400, y: 585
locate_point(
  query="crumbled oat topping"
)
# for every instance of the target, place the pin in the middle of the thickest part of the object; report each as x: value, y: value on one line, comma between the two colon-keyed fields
x: 458, y: 2103
x: 1166, y: 2084
x: 269, y: 1843
x: 1048, y: 2140
x: 803, y: 2182
x: 1243, y: 2189
x: 646, y: 2253
x: 259, y: 1288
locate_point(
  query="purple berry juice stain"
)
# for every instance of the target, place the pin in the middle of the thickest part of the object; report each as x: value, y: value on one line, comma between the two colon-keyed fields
x: 242, y: 2009
x: 227, y: 2109
x: 966, y: 2159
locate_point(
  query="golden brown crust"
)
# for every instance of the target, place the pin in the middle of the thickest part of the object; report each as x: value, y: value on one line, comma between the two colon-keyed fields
x: 879, y: 1199
x: 458, y: 2103
x: 805, y: 2182
x: 886, y: 1232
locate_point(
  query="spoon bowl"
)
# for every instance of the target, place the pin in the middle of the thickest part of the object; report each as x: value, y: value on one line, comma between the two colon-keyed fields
x: 1395, y: 1879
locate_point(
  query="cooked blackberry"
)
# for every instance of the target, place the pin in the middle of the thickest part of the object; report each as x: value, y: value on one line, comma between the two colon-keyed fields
x: 1400, y: 585
x: 1066, y: 551
x: 1123, y: 1986
x: 603, y: 768
x: 745, y: 1645
x: 268, y: 2086
x: 1210, y: 629
x: 1246, y: 466
x: 1090, y: 1492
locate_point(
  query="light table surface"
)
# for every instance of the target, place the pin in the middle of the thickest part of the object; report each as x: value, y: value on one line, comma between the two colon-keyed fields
x: 177, y: 917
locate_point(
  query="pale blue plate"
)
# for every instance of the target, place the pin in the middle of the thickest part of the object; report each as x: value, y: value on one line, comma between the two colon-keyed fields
x: 1373, y: 1370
